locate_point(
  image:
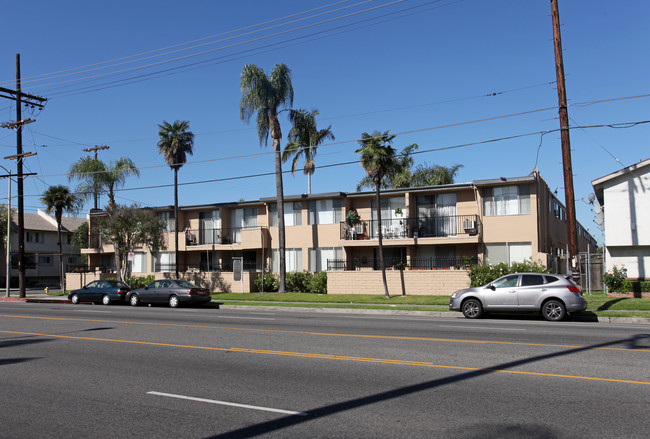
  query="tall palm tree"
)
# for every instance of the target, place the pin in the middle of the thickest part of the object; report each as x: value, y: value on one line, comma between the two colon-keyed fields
x: 59, y: 199
x: 378, y: 158
x: 176, y: 141
x: 304, y: 137
x: 434, y: 175
x: 263, y: 95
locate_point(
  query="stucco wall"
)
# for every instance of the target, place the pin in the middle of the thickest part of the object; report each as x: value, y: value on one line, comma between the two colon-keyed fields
x: 421, y: 282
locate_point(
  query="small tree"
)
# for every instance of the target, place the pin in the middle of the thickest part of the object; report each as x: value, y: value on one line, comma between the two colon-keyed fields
x: 128, y: 227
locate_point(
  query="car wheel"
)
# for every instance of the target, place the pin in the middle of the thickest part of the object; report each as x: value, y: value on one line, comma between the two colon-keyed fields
x: 553, y: 310
x: 74, y: 299
x: 173, y: 301
x: 106, y: 299
x: 472, y: 309
x: 134, y: 300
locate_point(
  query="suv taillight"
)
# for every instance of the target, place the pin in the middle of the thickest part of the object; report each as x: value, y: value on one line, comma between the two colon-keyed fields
x: 575, y: 289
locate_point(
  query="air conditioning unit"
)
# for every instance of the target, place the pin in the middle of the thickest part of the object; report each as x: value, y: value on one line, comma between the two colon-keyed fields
x: 469, y: 224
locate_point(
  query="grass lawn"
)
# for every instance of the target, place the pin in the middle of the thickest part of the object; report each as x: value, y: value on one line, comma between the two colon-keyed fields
x: 360, y: 299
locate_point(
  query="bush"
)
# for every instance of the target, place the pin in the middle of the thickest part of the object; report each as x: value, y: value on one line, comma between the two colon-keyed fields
x: 318, y: 283
x: 298, y: 281
x: 140, y: 281
x: 271, y: 283
x: 483, y: 274
x: 615, y: 279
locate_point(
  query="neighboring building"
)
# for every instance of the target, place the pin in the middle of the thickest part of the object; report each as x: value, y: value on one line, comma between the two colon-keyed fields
x: 41, y: 250
x: 625, y: 198
x: 425, y: 228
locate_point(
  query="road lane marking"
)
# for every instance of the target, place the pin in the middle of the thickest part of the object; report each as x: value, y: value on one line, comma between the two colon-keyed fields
x: 231, y: 404
x: 482, y: 327
x: 333, y: 334
x: 246, y: 318
x: 330, y: 357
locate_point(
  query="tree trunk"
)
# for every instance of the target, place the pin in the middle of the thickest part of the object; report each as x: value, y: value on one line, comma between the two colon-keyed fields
x: 58, y: 230
x: 280, y: 200
x: 381, y: 246
x: 176, y: 221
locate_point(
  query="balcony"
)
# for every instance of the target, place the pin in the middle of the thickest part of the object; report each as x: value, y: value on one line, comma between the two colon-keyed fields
x: 431, y: 227
x: 220, y: 236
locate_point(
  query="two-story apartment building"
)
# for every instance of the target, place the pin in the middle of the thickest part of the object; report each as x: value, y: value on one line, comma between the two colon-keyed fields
x: 425, y: 229
x: 41, y: 249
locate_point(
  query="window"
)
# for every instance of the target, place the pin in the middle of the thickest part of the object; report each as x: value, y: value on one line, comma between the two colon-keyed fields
x: 507, y: 282
x: 528, y: 280
x: 293, y: 259
x: 164, y: 262
x: 44, y: 260
x: 509, y: 252
x: 139, y: 263
x: 437, y: 214
x: 292, y: 214
x: 73, y: 260
x: 325, y: 211
x: 209, y: 227
x: 35, y: 237
x: 168, y: 218
x: 242, y: 218
x: 506, y: 200
x: 318, y: 257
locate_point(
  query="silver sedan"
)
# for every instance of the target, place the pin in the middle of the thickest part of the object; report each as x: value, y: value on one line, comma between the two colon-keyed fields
x: 551, y: 294
x: 170, y: 291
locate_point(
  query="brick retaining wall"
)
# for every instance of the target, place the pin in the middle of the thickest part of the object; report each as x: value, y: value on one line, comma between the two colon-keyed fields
x: 423, y: 282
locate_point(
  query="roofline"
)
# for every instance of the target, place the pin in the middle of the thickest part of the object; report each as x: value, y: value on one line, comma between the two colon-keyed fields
x: 598, y: 183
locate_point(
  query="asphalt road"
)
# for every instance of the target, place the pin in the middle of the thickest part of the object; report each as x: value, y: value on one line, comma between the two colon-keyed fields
x: 155, y: 372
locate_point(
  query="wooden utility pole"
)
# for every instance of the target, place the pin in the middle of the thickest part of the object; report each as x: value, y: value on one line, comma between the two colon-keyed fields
x: 20, y: 97
x: 572, y: 235
x: 95, y: 149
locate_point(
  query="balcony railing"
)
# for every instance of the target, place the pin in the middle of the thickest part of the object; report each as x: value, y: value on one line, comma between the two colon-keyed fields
x: 430, y: 227
x: 205, y: 236
x: 204, y: 267
x: 424, y: 263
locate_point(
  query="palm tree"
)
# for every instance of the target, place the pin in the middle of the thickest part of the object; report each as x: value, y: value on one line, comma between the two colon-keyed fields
x: 378, y: 158
x: 115, y: 176
x: 98, y: 177
x: 58, y: 199
x: 90, y: 171
x: 263, y: 95
x: 304, y: 138
x: 434, y: 175
x: 176, y: 141
x: 398, y: 176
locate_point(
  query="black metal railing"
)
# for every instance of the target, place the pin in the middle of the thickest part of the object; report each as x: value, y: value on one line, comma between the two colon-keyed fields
x: 204, y: 267
x: 209, y: 236
x: 429, y: 227
x: 396, y: 263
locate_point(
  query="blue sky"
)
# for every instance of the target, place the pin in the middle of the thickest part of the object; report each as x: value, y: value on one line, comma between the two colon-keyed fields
x: 437, y: 73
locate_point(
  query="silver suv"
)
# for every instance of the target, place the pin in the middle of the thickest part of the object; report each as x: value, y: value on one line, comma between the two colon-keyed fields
x: 551, y: 294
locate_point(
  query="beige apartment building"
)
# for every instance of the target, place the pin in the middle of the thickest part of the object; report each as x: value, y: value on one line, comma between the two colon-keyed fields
x: 433, y: 232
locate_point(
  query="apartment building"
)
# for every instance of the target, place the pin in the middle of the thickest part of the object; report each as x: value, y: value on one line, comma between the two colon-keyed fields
x: 41, y: 249
x: 426, y: 230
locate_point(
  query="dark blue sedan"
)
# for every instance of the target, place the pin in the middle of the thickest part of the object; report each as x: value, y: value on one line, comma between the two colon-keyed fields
x: 104, y: 291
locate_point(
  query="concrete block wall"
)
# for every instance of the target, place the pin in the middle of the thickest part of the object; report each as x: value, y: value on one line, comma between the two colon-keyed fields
x: 420, y: 282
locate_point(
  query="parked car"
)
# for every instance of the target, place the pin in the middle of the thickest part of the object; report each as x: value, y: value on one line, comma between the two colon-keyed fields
x: 171, y: 291
x: 106, y: 291
x: 551, y: 294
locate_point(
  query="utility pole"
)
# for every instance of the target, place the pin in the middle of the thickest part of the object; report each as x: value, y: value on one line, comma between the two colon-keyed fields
x: 31, y: 100
x: 572, y: 236
x: 95, y: 149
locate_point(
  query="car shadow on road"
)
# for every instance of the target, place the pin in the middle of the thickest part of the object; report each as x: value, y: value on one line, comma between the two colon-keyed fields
x: 505, y: 431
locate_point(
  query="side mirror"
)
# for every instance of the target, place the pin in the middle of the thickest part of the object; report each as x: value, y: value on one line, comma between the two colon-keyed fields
x: 490, y: 287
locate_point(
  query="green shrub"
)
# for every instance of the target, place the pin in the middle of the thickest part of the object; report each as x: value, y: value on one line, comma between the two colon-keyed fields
x: 483, y: 274
x: 140, y: 281
x: 298, y: 281
x: 634, y: 286
x: 614, y: 280
x: 318, y: 283
x: 271, y: 283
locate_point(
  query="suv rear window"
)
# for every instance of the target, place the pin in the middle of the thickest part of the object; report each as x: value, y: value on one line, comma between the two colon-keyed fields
x: 551, y: 279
